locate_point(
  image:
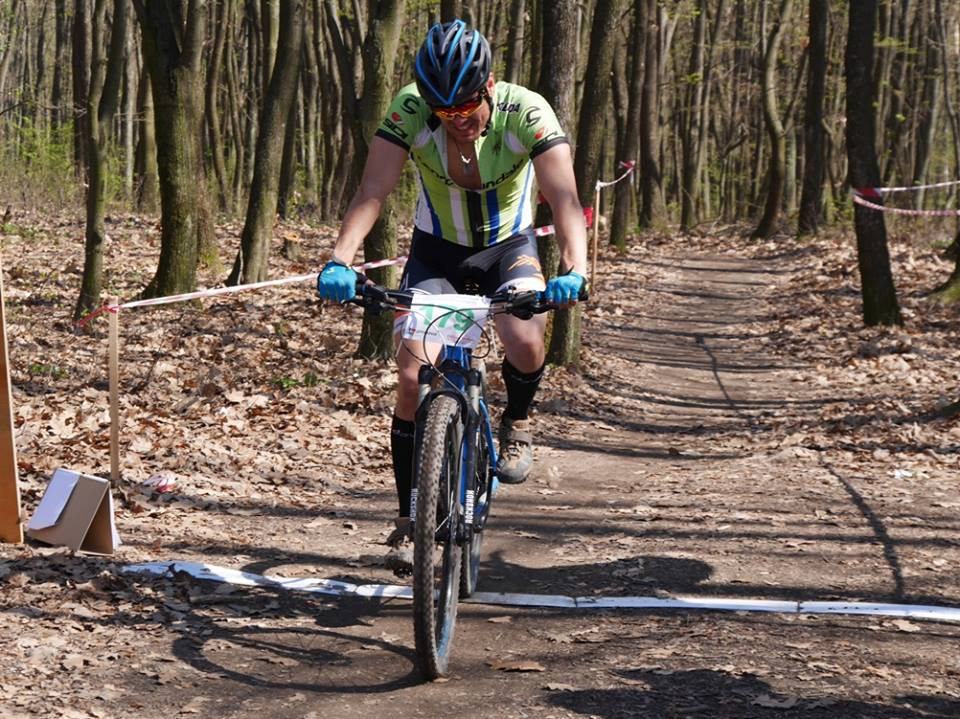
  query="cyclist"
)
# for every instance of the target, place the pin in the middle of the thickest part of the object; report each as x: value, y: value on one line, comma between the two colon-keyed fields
x: 477, y: 145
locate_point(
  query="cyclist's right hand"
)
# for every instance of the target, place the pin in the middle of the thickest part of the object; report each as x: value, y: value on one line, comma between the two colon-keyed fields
x: 337, y: 282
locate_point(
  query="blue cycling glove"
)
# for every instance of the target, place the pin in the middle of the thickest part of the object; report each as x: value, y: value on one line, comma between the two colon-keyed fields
x: 337, y: 282
x: 565, y: 289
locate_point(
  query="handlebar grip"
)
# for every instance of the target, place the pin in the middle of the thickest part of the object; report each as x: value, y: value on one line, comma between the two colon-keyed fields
x: 584, y: 293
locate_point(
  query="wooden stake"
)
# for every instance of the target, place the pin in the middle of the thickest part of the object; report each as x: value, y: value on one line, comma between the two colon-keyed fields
x: 596, y: 242
x: 11, y: 529
x: 114, y: 366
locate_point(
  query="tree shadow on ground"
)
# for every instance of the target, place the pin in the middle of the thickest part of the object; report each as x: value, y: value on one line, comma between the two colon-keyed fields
x: 263, y: 636
x: 642, y: 574
x: 714, y: 694
x: 316, y: 659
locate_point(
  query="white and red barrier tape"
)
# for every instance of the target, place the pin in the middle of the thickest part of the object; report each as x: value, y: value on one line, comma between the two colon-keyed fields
x: 859, y: 199
x: 863, y: 195
x: 866, y: 191
x: 629, y: 165
x: 213, y: 292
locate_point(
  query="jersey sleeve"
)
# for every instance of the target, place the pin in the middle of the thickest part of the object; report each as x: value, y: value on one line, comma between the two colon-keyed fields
x: 539, y: 128
x: 404, y: 118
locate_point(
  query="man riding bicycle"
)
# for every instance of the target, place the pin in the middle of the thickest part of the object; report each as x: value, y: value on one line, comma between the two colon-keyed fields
x: 477, y: 145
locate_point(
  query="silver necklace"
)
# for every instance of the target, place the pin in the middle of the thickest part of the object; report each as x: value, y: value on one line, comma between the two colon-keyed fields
x: 466, y: 161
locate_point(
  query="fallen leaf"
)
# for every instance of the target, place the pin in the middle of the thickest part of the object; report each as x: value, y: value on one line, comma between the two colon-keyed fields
x: 905, y: 626
x: 524, y: 665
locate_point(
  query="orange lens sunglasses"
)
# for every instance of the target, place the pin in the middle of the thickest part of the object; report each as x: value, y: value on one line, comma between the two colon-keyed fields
x: 464, y: 109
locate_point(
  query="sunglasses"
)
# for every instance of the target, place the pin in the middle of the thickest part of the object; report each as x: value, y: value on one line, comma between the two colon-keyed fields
x: 464, y: 109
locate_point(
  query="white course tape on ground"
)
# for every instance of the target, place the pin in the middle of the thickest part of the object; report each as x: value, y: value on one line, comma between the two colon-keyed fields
x: 345, y: 589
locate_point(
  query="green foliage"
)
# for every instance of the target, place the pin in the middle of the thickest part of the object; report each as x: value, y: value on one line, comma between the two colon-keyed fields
x: 950, y: 292
x: 287, y: 383
x: 46, y: 370
x: 37, y: 162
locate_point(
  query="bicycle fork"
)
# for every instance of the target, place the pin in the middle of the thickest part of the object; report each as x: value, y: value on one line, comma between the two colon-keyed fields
x: 471, y: 418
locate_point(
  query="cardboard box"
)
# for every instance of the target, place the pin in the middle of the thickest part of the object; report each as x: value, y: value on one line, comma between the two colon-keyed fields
x: 76, y: 511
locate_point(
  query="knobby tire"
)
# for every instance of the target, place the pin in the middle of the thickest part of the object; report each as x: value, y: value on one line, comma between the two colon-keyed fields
x: 470, y: 571
x: 436, y: 583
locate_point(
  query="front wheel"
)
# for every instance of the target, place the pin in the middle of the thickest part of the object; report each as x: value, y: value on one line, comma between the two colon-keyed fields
x: 436, y: 554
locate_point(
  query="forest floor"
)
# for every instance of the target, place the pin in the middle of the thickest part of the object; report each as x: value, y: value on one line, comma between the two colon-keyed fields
x: 732, y: 431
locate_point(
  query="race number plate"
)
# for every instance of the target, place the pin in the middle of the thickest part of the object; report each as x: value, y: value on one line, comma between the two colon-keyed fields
x: 447, y: 319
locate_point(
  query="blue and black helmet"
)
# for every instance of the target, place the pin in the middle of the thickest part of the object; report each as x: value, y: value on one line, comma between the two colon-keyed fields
x: 452, y: 64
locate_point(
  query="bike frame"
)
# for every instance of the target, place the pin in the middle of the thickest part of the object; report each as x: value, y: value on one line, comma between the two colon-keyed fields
x: 460, y: 381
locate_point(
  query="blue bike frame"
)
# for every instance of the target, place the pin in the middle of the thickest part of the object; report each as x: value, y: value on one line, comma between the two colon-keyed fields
x: 455, y: 384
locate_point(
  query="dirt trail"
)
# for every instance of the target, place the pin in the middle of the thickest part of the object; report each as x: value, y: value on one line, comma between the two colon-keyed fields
x: 674, y: 483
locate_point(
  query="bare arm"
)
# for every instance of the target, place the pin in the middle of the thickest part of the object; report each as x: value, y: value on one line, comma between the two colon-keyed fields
x: 380, y: 175
x: 554, y: 170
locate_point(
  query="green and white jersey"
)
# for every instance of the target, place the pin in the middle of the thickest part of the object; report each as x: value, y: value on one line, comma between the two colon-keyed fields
x: 522, y: 126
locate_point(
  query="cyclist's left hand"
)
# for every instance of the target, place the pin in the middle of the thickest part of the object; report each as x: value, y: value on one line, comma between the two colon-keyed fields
x: 565, y: 289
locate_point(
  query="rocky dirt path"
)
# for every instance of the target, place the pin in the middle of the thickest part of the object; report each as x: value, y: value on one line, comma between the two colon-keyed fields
x: 677, y: 480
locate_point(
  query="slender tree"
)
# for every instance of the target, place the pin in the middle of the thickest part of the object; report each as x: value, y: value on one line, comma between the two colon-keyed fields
x: 102, y: 99
x: 652, y: 209
x: 515, y: 40
x: 212, y: 104
x: 690, y: 119
x: 631, y: 136
x: 880, y: 306
x: 379, y: 58
x: 559, y: 22
x: 812, y: 196
x: 251, y: 264
x: 565, y: 338
x: 60, y: 63
x: 80, y: 60
x: 774, y: 124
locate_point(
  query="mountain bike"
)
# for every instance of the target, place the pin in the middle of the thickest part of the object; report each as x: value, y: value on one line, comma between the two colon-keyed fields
x: 455, y: 455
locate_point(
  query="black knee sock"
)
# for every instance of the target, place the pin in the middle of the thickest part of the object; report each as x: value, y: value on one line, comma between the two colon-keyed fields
x: 521, y: 387
x: 401, y: 447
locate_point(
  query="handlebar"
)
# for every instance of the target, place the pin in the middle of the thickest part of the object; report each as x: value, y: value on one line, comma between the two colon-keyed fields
x: 523, y: 304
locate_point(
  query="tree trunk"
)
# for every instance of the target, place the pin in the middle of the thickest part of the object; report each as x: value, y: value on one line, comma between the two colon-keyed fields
x: 515, y: 41
x: 892, y: 88
x: 879, y: 295
x: 288, y: 166
x: 310, y: 77
x: 173, y: 50
x: 558, y: 22
x: 212, y: 115
x: 147, y: 179
x: 565, y: 337
x: 81, y: 82
x: 811, y: 198
x: 10, y: 33
x: 450, y: 10
x: 949, y: 290
x: 653, y: 209
x: 251, y: 264
x: 379, y: 58
x: 104, y: 91
x: 774, y: 125
x: 623, y: 191
x: 928, y: 111
x: 60, y: 64
x: 130, y: 76
x: 690, y: 121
